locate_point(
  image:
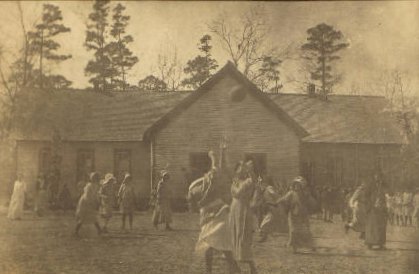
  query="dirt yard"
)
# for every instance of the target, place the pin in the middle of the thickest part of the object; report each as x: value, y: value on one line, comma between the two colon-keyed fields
x: 46, y: 245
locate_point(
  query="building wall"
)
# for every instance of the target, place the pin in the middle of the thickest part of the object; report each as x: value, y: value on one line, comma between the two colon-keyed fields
x: 351, y: 163
x: 248, y: 126
x: 28, y: 162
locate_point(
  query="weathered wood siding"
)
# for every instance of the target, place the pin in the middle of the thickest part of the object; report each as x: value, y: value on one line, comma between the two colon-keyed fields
x: 358, y: 162
x: 249, y: 126
x: 28, y: 162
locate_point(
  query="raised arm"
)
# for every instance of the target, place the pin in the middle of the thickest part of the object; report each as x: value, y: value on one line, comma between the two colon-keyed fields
x: 238, y: 188
x: 284, y: 200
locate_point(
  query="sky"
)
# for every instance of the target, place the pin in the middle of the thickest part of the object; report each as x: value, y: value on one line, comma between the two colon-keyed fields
x: 382, y: 35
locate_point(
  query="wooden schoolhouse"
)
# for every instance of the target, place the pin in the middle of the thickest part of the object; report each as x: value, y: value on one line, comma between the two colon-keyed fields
x: 339, y: 141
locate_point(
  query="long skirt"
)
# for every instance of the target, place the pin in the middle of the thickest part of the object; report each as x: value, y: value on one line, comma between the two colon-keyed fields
x: 299, y: 231
x: 162, y: 213
x: 376, y: 226
x: 407, y: 210
x: 106, y: 208
x: 358, y: 218
x: 215, y: 232
x: 16, y: 205
x: 41, y: 202
x: 242, y: 225
x: 87, y: 211
x: 275, y: 221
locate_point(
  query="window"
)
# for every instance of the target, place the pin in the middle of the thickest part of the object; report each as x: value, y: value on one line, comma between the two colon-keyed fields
x: 259, y: 160
x: 44, y: 163
x: 334, y: 170
x: 199, y: 163
x: 85, y: 163
x: 122, y: 163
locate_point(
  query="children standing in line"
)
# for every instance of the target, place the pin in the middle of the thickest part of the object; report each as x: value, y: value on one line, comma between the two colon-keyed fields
x: 126, y: 198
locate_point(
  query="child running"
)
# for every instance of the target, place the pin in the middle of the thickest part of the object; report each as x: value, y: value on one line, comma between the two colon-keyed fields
x: 87, y: 208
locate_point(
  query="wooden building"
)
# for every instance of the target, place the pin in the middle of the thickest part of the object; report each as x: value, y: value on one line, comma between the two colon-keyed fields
x: 339, y: 141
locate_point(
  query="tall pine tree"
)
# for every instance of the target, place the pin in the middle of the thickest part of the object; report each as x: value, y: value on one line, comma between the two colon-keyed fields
x: 201, y: 67
x: 100, y: 68
x: 42, y: 45
x: 323, y: 44
x: 121, y: 57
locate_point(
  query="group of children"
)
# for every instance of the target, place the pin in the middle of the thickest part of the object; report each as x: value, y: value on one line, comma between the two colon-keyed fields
x: 97, y: 198
x: 403, y: 208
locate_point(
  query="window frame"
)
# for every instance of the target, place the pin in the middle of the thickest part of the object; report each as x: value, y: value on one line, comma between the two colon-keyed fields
x: 80, y: 152
x: 41, y: 165
x: 116, y: 152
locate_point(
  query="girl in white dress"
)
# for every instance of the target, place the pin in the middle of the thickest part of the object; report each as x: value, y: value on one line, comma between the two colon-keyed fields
x: 18, y: 199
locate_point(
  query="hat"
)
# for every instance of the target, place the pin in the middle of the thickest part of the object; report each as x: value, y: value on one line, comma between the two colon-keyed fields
x: 126, y: 177
x: 94, y: 176
x: 164, y: 173
x: 299, y: 179
x: 108, y: 178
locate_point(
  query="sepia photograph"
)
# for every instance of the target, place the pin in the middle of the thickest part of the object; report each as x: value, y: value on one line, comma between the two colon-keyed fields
x: 209, y: 137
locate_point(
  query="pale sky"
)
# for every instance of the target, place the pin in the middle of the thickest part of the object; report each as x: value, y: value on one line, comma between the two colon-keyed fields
x: 383, y: 35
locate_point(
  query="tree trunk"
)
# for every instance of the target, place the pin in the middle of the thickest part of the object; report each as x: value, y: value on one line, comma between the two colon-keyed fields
x: 25, y: 64
x: 41, y: 51
x: 323, y: 63
x: 122, y: 61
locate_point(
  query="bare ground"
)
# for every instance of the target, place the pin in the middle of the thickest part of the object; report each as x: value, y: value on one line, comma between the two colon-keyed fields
x: 46, y: 245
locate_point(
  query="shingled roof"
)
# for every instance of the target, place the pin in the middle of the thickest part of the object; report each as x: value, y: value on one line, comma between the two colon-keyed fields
x: 128, y: 116
x: 118, y: 116
x: 342, y: 118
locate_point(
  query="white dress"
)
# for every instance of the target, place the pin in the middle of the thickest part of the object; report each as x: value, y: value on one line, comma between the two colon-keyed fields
x: 17, y: 201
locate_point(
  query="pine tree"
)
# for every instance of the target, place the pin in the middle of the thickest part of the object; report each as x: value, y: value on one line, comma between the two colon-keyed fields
x: 323, y: 43
x: 42, y: 44
x: 269, y: 74
x: 100, y: 68
x: 200, y: 68
x: 121, y: 57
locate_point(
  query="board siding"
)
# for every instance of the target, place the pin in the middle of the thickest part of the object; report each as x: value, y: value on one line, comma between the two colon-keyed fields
x: 248, y: 125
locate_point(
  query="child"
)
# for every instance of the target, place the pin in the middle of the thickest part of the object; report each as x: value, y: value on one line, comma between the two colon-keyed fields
x: 106, y: 200
x: 162, y: 211
x: 126, y: 196
x: 407, y: 207
x: 18, y: 199
x: 41, y: 195
x: 416, y: 207
x: 87, y: 208
x: 65, y: 200
x: 398, y: 204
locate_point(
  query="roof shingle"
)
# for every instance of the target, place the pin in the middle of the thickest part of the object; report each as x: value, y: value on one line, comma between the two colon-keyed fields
x: 342, y: 119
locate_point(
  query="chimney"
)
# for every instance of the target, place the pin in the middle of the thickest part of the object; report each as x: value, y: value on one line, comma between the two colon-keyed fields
x: 311, y: 90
